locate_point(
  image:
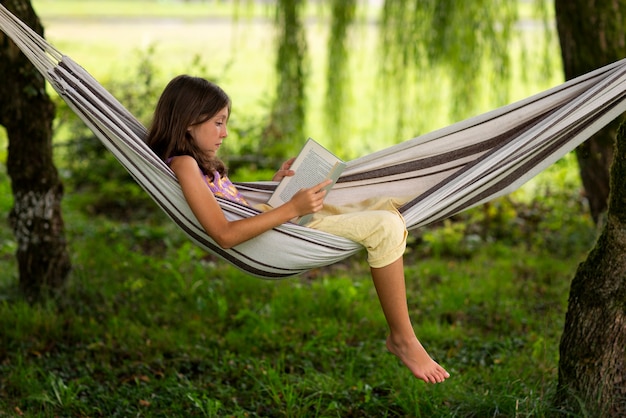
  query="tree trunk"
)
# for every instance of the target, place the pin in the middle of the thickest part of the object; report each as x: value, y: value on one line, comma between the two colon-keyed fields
x: 591, y: 33
x: 27, y: 112
x: 592, y: 365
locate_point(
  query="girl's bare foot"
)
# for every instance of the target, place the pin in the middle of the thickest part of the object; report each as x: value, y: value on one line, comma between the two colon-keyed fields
x: 415, y: 357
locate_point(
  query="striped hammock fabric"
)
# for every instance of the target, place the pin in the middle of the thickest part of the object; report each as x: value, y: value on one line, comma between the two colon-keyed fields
x: 442, y: 173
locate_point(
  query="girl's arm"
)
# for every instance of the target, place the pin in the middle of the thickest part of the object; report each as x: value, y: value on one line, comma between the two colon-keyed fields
x: 227, y: 233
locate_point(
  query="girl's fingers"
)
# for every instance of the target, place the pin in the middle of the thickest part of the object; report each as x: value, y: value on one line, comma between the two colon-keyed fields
x: 287, y: 164
x: 323, y: 184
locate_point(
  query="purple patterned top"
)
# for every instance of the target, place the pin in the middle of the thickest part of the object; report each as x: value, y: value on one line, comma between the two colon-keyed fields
x: 223, y: 187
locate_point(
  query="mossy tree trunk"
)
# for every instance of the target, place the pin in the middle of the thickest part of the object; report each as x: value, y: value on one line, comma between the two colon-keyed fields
x: 591, y: 34
x: 27, y: 112
x: 592, y: 365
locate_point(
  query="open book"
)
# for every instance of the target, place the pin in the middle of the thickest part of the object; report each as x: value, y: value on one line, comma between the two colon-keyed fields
x: 313, y: 165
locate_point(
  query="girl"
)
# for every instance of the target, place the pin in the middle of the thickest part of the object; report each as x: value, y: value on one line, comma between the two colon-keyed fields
x: 187, y: 131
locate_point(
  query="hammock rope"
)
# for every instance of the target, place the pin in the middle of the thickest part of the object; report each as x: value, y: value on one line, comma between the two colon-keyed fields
x: 440, y: 173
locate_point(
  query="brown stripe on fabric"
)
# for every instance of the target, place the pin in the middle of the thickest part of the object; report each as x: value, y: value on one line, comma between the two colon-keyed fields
x: 589, y: 120
x: 136, y: 127
x: 263, y: 187
x: 115, y: 107
x: 456, y: 154
x: 524, y: 168
x: 502, y: 140
x: 401, y: 168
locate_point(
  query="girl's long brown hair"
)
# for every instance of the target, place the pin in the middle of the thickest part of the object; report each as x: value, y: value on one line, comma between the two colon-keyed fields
x: 186, y: 101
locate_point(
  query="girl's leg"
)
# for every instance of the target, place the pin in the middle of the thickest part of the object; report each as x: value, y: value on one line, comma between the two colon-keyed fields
x: 402, y: 342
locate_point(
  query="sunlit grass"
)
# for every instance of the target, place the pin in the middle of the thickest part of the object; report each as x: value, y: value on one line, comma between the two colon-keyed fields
x: 56, y: 9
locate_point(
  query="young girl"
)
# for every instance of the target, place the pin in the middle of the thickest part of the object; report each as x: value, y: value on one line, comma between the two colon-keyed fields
x: 187, y: 131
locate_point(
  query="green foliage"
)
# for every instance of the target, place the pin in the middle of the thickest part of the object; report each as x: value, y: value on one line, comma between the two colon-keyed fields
x: 3, y: 144
x: 136, y: 8
x: 374, y: 113
x: 466, y: 39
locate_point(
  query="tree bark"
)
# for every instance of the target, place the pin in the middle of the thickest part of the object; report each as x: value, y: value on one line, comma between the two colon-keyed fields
x: 27, y: 112
x: 592, y: 365
x: 591, y: 34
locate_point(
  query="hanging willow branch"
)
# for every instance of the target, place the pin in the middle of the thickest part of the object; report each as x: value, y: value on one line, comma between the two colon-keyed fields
x: 461, y: 50
x: 337, y: 76
x: 285, y: 131
x: 460, y: 39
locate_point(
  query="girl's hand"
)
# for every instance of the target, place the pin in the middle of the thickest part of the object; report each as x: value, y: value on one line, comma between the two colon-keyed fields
x: 310, y: 200
x: 285, y: 170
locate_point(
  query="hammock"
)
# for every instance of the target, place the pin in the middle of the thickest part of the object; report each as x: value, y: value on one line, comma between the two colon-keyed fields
x: 442, y: 173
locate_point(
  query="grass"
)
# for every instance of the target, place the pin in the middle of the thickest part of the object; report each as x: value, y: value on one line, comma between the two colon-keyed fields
x: 168, y: 9
x: 132, y: 9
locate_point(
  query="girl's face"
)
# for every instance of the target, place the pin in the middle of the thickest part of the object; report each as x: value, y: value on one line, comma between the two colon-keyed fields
x: 210, y: 133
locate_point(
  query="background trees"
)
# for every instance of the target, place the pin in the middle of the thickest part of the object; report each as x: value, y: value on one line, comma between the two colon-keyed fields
x: 27, y: 112
x: 592, y: 350
x: 592, y: 361
x: 591, y: 35
x: 418, y: 38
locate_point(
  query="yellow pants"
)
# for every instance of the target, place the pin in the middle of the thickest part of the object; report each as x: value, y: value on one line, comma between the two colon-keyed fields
x: 374, y: 223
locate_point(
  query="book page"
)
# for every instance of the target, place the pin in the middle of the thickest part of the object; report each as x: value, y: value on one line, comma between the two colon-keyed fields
x: 313, y: 170
x: 313, y: 165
